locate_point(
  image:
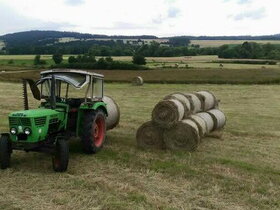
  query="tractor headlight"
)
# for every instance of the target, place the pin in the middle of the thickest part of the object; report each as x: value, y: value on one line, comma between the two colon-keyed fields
x: 27, y: 131
x: 13, y: 131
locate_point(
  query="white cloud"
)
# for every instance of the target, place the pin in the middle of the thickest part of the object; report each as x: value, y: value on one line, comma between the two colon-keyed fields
x: 10, y: 21
x: 173, y: 12
x: 158, y: 17
x: 252, y: 14
x: 240, y: 1
x: 74, y: 2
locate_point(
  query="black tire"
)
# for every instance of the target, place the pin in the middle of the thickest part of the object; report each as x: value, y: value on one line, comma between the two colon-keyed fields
x: 60, y: 157
x: 5, y: 152
x: 94, y: 131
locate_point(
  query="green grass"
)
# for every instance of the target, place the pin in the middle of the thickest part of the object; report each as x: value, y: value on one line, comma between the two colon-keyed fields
x: 239, y: 171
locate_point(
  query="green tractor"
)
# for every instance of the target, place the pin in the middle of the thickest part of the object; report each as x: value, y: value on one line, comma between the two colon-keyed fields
x: 63, y: 113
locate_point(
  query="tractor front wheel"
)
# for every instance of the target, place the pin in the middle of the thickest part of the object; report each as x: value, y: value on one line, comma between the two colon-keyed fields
x: 61, y: 156
x: 94, y: 131
x: 5, y: 152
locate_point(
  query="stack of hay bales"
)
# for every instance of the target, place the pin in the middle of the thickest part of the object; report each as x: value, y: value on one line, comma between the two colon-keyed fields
x: 181, y: 120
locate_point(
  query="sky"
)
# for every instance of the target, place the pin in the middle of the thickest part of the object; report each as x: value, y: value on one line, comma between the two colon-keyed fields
x: 150, y: 17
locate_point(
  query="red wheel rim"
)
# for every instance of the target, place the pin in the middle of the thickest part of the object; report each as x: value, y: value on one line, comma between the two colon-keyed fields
x: 98, y: 131
x: 56, y: 162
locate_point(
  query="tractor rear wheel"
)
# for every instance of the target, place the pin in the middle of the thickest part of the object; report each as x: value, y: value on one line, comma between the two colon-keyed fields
x: 94, y: 131
x: 5, y: 152
x: 61, y: 156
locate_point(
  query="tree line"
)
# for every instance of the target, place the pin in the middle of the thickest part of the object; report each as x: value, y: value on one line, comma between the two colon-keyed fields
x: 250, y: 50
x: 88, y: 61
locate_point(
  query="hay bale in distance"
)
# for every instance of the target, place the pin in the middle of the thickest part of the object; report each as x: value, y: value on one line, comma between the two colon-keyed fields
x: 219, y: 118
x: 150, y: 135
x: 113, y: 118
x: 201, y: 124
x: 137, y: 81
x: 208, y: 100
x: 184, y: 100
x: 196, y: 105
x: 208, y: 120
x: 183, y: 136
x: 167, y: 112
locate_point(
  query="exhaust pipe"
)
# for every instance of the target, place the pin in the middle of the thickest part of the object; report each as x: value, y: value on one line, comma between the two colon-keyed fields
x: 25, y: 97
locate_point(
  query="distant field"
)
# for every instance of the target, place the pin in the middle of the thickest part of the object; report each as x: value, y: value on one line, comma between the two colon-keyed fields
x: 184, y: 62
x: 23, y: 57
x: 67, y: 39
x: 239, y: 171
x: 2, y: 44
x: 218, y: 43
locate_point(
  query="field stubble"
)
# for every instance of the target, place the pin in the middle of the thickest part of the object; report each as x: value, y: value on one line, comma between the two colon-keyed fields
x: 241, y: 171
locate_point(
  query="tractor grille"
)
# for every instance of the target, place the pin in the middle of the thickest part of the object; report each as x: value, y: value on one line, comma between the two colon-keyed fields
x: 25, y: 121
x: 13, y: 121
x: 54, y: 120
x: 40, y: 121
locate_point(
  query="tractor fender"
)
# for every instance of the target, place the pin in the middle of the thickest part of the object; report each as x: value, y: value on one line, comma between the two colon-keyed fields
x: 97, y: 105
x: 85, y: 108
x: 101, y: 106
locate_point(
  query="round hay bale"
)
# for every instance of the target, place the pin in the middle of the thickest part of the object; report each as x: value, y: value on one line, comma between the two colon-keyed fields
x: 208, y: 120
x: 113, y: 118
x: 183, y: 136
x: 167, y: 112
x: 201, y: 124
x: 208, y: 100
x: 219, y: 118
x: 137, y: 81
x: 150, y: 135
x: 196, y: 105
x: 184, y: 100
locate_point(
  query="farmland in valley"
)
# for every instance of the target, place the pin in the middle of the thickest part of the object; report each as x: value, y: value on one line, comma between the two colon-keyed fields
x: 218, y: 43
x: 2, y: 44
x: 185, y: 62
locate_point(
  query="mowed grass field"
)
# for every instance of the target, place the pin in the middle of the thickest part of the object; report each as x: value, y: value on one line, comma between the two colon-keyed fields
x: 218, y: 43
x: 239, y: 171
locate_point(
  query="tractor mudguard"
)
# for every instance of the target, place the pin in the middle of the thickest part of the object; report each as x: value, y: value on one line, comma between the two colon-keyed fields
x: 88, y: 107
x: 94, y: 106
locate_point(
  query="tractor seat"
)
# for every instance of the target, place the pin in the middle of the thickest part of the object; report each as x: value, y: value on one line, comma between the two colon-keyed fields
x: 73, y: 110
x: 75, y: 103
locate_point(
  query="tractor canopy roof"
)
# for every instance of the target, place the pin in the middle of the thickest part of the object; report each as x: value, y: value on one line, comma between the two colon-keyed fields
x: 76, y: 78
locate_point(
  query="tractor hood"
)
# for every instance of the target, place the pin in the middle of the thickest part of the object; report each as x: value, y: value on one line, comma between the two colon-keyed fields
x: 34, y: 113
x: 40, y: 123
